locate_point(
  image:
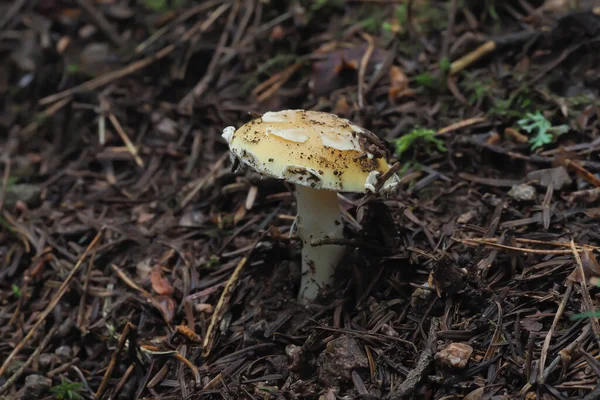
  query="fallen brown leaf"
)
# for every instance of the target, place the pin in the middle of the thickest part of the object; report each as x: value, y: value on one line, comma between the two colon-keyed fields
x: 159, y: 284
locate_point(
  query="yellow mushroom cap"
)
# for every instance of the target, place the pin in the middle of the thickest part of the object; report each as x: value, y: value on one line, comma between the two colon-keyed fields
x: 310, y: 148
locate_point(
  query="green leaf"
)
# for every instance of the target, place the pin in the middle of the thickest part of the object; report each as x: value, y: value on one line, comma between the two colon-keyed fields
x: 445, y: 64
x: 405, y: 142
x: 427, y: 80
x: 16, y: 291
x: 588, y: 314
x: 544, y: 131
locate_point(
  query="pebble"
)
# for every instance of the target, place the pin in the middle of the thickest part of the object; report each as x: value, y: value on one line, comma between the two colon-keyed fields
x: 35, y: 386
x: 341, y: 356
x: 455, y: 355
x: 522, y: 192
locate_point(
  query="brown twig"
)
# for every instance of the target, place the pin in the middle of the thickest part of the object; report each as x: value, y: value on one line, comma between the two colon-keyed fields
x: 59, y: 294
x: 135, y: 66
x: 387, y: 175
x: 276, y: 81
x: 188, y: 100
x: 460, y: 125
x: 476, y: 242
x: 561, y: 308
x: 10, y: 13
x: 426, y: 357
x: 221, y: 306
x: 101, y: 22
x: 588, y: 305
x: 113, y: 360
x: 128, y: 143
x: 47, y: 338
x: 5, y: 179
x: 449, y: 29
x: 201, y: 182
x: 554, y: 364
x: 364, y: 62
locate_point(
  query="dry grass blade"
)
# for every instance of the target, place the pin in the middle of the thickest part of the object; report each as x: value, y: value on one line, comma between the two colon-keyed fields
x: 201, y: 182
x: 544, y: 353
x: 228, y: 290
x: 460, y: 125
x: 482, y: 242
x: 47, y: 338
x: 129, y: 327
x: 426, y: 357
x: 130, y: 146
x: 222, y: 307
x: 587, y: 299
x: 363, y: 68
x: 59, y: 294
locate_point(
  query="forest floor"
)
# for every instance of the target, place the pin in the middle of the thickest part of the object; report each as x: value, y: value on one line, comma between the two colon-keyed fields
x: 134, y: 264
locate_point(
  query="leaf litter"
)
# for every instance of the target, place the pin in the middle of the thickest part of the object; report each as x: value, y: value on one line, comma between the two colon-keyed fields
x: 138, y: 265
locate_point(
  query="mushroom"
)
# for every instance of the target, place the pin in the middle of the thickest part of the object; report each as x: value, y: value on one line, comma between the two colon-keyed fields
x: 321, y: 154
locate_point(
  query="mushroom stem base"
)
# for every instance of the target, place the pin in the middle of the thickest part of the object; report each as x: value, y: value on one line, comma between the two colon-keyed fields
x: 318, y: 218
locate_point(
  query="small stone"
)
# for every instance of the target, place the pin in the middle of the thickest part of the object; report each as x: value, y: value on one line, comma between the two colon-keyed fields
x: 455, y: 355
x: 36, y: 385
x: 522, y: 192
x: 422, y: 296
x: 64, y: 353
x: 295, y: 356
x: 45, y: 360
x: 342, y: 356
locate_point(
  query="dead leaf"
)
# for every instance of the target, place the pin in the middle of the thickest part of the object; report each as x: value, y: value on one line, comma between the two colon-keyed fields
x: 475, y: 394
x: 531, y: 325
x: 166, y: 305
x: 330, y: 73
x: 398, y: 83
x: 159, y: 283
x: 342, y: 107
x: 558, y: 177
x: 591, y: 269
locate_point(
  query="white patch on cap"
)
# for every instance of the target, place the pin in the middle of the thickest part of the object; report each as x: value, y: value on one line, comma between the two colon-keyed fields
x: 279, y: 116
x: 371, y: 181
x: 297, y: 135
x: 228, y: 133
x: 339, y: 140
x: 391, y: 183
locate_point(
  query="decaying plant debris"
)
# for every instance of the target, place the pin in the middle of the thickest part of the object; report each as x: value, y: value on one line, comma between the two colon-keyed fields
x: 136, y: 264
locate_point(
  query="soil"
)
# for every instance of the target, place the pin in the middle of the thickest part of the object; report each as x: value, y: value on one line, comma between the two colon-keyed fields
x: 136, y: 263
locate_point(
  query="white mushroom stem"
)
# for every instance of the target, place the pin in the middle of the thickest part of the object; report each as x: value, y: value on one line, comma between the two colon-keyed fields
x: 318, y: 218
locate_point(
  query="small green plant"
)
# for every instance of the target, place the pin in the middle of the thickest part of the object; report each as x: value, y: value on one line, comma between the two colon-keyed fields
x: 545, y: 133
x: 427, y: 136
x: 213, y: 261
x: 514, y: 106
x: 320, y: 4
x: 426, y: 17
x: 427, y: 81
x: 4, y: 224
x: 445, y: 65
x: 16, y: 291
x: 161, y: 6
x: 477, y: 87
x: 67, y: 390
